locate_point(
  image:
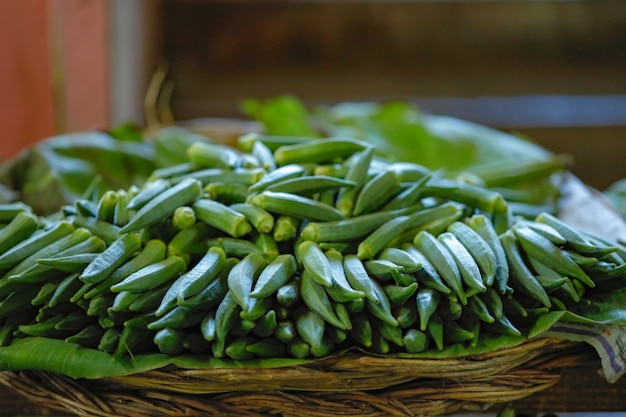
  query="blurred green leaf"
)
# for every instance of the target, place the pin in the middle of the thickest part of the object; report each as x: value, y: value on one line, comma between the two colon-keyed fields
x: 283, y: 115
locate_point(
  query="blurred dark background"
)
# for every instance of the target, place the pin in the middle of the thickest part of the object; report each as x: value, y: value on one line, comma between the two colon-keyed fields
x: 554, y: 71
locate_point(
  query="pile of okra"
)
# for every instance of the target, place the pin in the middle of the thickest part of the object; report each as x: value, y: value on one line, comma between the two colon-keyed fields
x: 290, y: 247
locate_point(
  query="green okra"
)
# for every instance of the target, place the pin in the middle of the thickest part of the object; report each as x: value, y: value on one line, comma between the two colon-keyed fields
x: 285, y: 228
x: 316, y: 299
x: 132, y: 341
x: 265, y: 326
x: 470, y: 272
x: 289, y: 293
x: 277, y: 175
x: 105, y: 208
x: 169, y: 341
x: 454, y: 333
x: 478, y: 307
x: 522, y: 277
x: 207, y: 326
x: 36, y: 242
x: 427, y: 304
x: 259, y: 218
x: 184, y: 217
x: 206, y: 298
x: 310, y: 185
x: 109, y: 340
x: 406, y: 314
x: 392, y: 334
x: 221, y: 217
x: 318, y: 150
x: 548, y: 253
x: 69, y: 263
x: 376, y: 192
x: 73, y: 321
x: 189, y: 240
x: 256, y: 307
x: 407, y: 197
x: 494, y: 301
x: 163, y: 205
x: 310, y: 328
x: 400, y: 257
x: 483, y: 226
x: 503, y: 325
x: 441, y: 259
x: 295, y: 205
x: 46, y: 290
x: 245, y: 176
x: 274, y: 275
x: 478, y: 248
x: 358, y: 166
x: 268, y: 245
x: 9, y: 211
x: 359, y: 279
x: 21, y: 227
x: 152, y: 276
x: 225, y: 317
x: 202, y: 273
x: 152, y: 252
x: 38, y: 272
x: 149, y: 300
x: 17, y: 302
x: 398, y: 294
x: 435, y: 329
x: 383, y: 269
x: 351, y: 228
x: 235, y: 247
x: 99, y: 305
x: 123, y: 300
x: 272, y: 142
x: 264, y: 155
x: 362, y: 329
x: 212, y: 155
x: 177, y: 318
x: 226, y: 192
x: 107, y: 231
x: 242, y: 276
x: 384, y: 234
x: 285, y: 331
x: 150, y: 190
x: 340, y: 290
x: 315, y: 262
x: 427, y: 274
x: 88, y: 336
x: 121, y: 213
x: 415, y: 341
x: 111, y: 258
x: 382, y: 308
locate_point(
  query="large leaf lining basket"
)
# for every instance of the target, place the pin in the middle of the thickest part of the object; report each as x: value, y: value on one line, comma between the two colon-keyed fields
x: 350, y: 384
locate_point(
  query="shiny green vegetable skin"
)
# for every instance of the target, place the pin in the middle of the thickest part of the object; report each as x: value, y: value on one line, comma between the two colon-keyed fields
x: 333, y: 248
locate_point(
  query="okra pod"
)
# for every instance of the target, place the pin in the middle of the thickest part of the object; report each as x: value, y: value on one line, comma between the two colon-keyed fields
x: 164, y: 204
x: 221, y: 217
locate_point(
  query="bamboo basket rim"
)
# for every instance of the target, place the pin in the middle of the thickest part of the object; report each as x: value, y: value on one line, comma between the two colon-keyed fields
x: 346, y: 385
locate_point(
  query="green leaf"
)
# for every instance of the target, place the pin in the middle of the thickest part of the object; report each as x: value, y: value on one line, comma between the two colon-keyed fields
x: 604, y: 308
x: 53, y: 355
x: 284, y: 116
x: 59, y: 169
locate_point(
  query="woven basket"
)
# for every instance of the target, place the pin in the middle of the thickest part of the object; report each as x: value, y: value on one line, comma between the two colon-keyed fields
x: 345, y: 385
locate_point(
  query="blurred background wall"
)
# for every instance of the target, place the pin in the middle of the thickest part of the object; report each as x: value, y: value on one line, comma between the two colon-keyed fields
x: 554, y: 71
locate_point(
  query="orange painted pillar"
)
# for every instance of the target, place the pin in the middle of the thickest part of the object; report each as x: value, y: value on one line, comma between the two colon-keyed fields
x: 26, y: 92
x: 54, y: 70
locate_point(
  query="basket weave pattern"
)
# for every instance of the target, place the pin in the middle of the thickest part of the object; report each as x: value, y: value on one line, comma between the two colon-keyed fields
x: 346, y: 385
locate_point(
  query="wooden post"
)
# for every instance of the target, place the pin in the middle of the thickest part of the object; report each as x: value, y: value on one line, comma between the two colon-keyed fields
x: 54, y: 71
